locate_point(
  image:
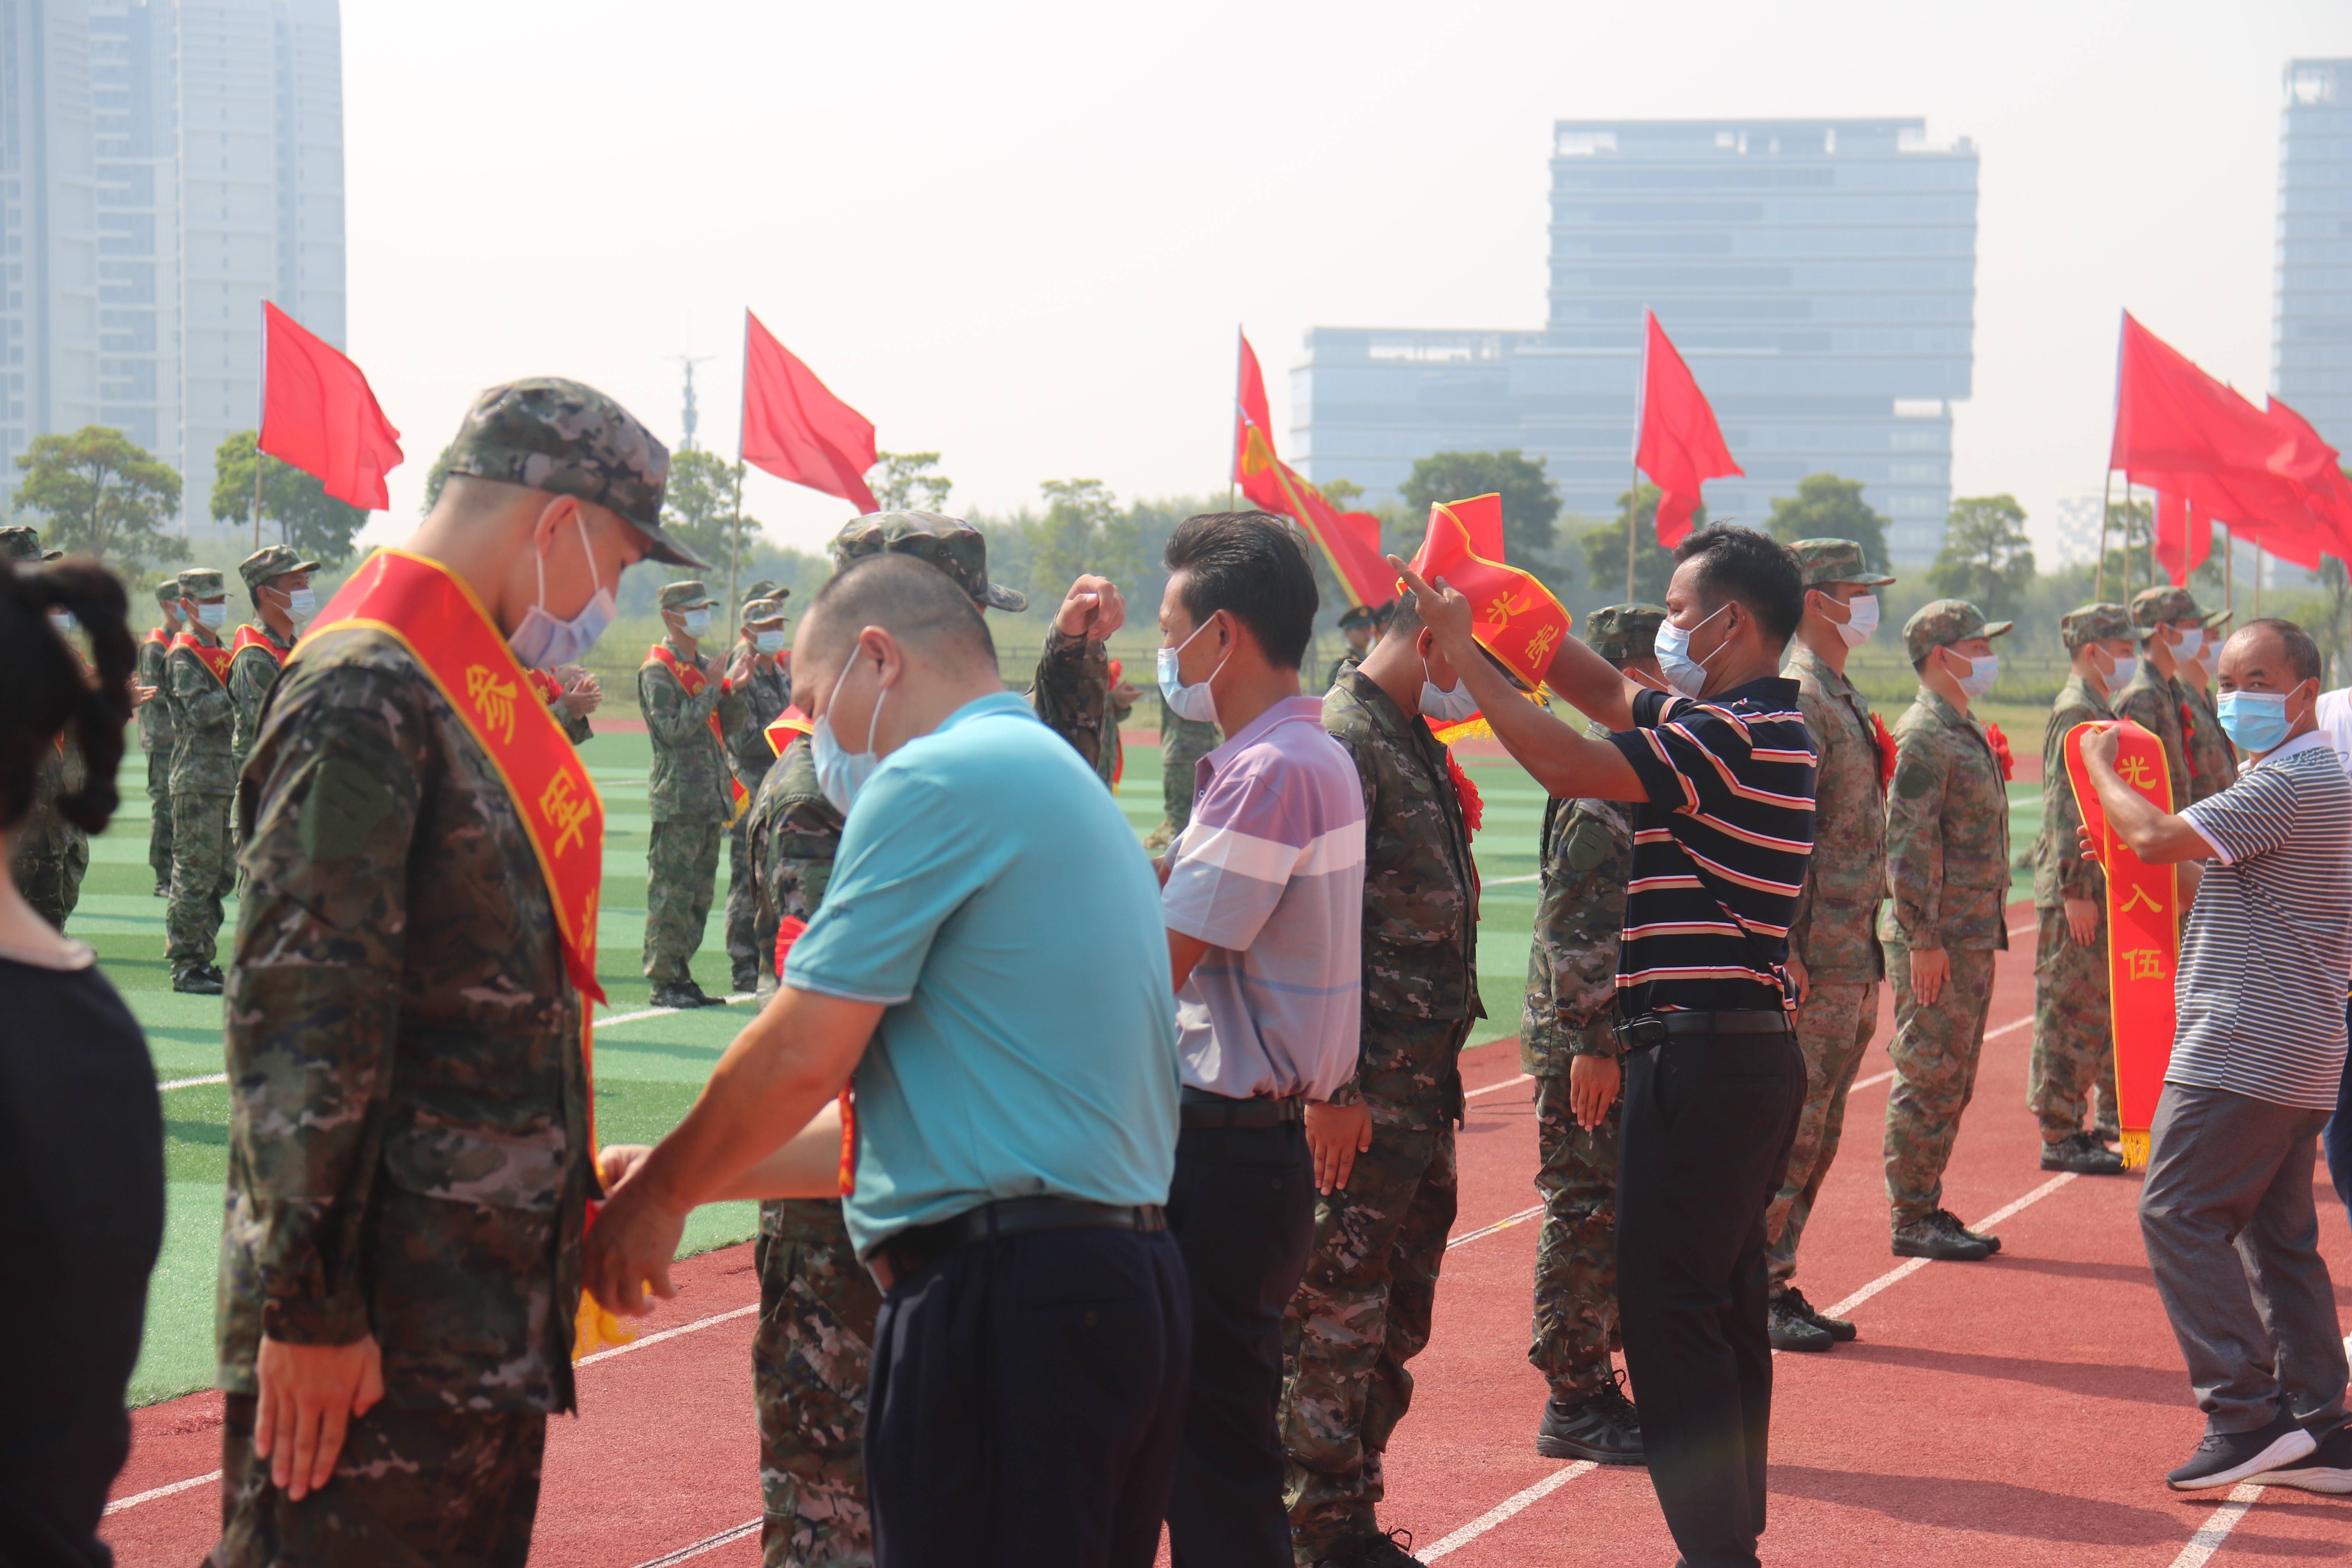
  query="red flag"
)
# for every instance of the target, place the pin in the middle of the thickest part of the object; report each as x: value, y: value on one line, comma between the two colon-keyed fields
x: 1350, y: 539
x: 796, y: 429
x: 318, y: 414
x: 1513, y: 617
x: 1679, y: 446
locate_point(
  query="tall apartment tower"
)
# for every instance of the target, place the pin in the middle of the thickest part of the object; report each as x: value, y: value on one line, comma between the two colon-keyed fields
x: 2311, y: 334
x: 1819, y: 276
x: 165, y: 166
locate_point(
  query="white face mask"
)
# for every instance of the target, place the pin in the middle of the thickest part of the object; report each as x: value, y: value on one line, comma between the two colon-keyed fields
x: 2127, y: 666
x: 2192, y: 643
x: 1445, y: 706
x: 1195, y: 701
x: 301, y: 604
x: 1684, y: 673
x: 1980, y: 676
x: 212, y: 615
x: 542, y: 641
x: 769, y: 642
x: 1861, y: 613
x: 841, y: 772
x: 697, y: 621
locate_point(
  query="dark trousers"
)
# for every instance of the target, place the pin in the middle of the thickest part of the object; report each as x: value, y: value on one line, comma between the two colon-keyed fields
x: 2336, y: 1140
x: 1026, y: 1401
x: 1707, y: 1124
x: 1243, y: 1207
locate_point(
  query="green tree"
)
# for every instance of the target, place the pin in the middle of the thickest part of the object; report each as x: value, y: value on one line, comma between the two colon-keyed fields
x: 1653, y: 566
x: 907, y: 481
x: 1345, y: 493
x: 434, y: 477
x: 1827, y: 506
x: 103, y: 495
x: 297, y: 505
x: 1072, y: 536
x: 2130, y: 538
x: 699, y: 507
x: 1986, y: 558
x: 1530, y: 501
x: 2330, y: 631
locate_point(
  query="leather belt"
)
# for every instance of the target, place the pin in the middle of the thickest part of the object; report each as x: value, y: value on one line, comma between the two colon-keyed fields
x: 1639, y: 1034
x: 918, y: 1246
x: 1200, y: 1108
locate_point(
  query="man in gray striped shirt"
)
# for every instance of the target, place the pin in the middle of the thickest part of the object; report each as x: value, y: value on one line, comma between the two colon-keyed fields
x: 2227, y: 1213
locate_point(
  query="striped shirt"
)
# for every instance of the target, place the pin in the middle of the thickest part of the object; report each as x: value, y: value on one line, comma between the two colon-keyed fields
x: 1270, y: 874
x: 2260, y: 991
x: 1719, y: 848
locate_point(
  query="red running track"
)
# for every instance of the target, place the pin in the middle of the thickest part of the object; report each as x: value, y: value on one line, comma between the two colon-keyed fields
x: 2021, y: 1411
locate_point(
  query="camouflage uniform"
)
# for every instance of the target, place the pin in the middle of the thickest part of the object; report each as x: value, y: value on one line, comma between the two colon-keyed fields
x: 812, y: 1350
x: 1835, y: 931
x: 1111, y: 759
x: 156, y: 735
x: 767, y: 691
x: 1182, y: 744
x: 204, y: 780
x: 47, y: 855
x: 690, y: 799
x: 1362, y: 1309
x: 409, y: 1136
x: 1946, y: 880
x: 2152, y: 700
x: 2212, y: 761
x: 253, y: 671
x: 2073, y: 1065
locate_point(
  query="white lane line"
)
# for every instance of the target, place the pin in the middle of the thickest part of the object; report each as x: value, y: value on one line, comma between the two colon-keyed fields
x: 707, y: 1543
x: 135, y: 1499
x: 2208, y: 1541
x: 1506, y: 1223
x: 1912, y: 1265
x: 191, y: 1082
x: 1871, y: 1081
x: 1503, y: 1509
x: 1492, y: 1088
x: 693, y: 1327
x: 1506, y: 881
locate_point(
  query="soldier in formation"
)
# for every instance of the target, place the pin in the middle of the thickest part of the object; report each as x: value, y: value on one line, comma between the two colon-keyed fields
x: 2073, y: 1067
x: 2172, y: 628
x: 813, y: 1348
x: 2212, y: 761
x: 1568, y: 1042
x: 156, y: 733
x: 47, y: 855
x: 204, y: 783
x: 689, y: 707
x: 1356, y: 626
x: 278, y: 581
x: 1833, y: 952
x: 1948, y: 886
x: 766, y: 689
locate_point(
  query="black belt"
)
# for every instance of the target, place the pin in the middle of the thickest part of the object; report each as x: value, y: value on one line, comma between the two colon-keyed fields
x: 1200, y: 1108
x: 918, y: 1246
x: 1639, y: 1034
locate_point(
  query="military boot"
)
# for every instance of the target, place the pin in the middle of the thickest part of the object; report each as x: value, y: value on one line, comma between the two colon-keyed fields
x: 196, y: 982
x: 1933, y: 1237
x: 1374, y: 1548
x: 1839, y: 1329
x: 1603, y: 1427
x: 2083, y: 1154
x: 1951, y: 1222
x: 681, y: 995
x: 1791, y: 1328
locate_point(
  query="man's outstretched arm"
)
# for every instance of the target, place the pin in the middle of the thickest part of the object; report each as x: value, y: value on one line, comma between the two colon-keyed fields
x: 2157, y: 837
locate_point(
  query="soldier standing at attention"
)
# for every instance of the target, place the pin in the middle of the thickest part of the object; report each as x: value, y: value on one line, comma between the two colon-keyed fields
x: 1948, y: 881
x: 409, y: 1161
x: 2074, y: 1042
x: 1568, y: 1042
x: 1356, y: 626
x: 204, y: 782
x: 1834, y: 952
x: 811, y: 1351
x: 156, y: 732
x: 2212, y: 761
x: 2172, y: 628
x: 687, y: 708
x: 279, y: 583
x: 1182, y: 744
x: 766, y: 689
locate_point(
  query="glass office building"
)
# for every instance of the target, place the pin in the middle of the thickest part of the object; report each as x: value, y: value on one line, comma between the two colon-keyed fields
x: 2311, y: 335
x: 1819, y: 276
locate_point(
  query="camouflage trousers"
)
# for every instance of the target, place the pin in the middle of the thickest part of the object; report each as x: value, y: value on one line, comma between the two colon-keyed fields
x: 810, y: 1358
x: 1360, y: 1314
x: 204, y: 872
x: 682, y: 879
x: 47, y: 858
x: 1935, y: 1051
x: 159, y: 816
x: 750, y: 939
x: 1835, y: 1023
x: 410, y: 1488
x: 2074, y: 1040
x: 1576, y: 1251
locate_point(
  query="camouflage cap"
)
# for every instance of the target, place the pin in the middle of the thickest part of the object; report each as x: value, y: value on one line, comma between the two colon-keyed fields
x: 2219, y: 618
x: 1827, y: 561
x: 690, y: 594
x: 167, y: 592
x: 202, y: 583
x: 271, y: 561
x: 763, y: 588
x: 2163, y: 605
x: 2087, y: 624
x: 1358, y: 615
x: 19, y: 542
x: 757, y: 612
x: 569, y: 440
x: 950, y: 543
x: 1940, y: 623
x: 1621, y: 632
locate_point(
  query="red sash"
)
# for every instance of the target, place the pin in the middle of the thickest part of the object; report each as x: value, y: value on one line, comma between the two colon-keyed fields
x: 155, y: 635
x: 212, y: 656
x: 2143, y: 934
x: 790, y: 722
x: 546, y: 685
x: 254, y: 637
x: 694, y: 680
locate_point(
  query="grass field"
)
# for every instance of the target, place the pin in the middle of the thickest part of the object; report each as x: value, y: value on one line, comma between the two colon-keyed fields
x: 649, y: 1069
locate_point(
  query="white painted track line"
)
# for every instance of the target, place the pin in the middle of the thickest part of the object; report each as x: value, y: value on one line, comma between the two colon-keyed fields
x: 2208, y: 1541
x: 135, y: 1499
x: 1519, y: 1503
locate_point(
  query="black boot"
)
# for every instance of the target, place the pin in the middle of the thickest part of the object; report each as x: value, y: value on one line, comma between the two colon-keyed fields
x: 195, y: 982
x: 2083, y: 1154
x: 1838, y: 1329
x: 1791, y: 1328
x: 1603, y: 1427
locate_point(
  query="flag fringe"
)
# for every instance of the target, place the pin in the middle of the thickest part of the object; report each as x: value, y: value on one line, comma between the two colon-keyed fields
x: 2134, y: 1149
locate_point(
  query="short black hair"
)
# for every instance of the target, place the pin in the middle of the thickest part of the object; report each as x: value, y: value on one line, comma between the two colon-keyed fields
x: 1758, y: 572
x: 2301, y: 653
x: 1251, y: 565
x: 911, y: 599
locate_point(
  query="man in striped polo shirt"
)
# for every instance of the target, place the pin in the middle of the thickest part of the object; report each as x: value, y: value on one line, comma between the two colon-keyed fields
x: 1723, y: 768
x: 2226, y: 1212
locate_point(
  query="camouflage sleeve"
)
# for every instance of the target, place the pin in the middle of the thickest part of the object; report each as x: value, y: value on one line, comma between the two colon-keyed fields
x: 2060, y: 816
x: 155, y: 714
x: 1817, y: 720
x: 1914, y: 841
x: 2152, y: 711
x: 313, y: 1006
x: 204, y: 702
x: 673, y: 718
x: 793, y: 832
x: 1071, y: 689
x: 748, y: 750
x: 576, y: 728
x: 251, y: 678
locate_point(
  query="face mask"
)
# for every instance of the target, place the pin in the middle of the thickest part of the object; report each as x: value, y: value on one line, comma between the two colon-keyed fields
x: 769, y: 642
x: 2127, y: 666
x: 301, y: 604
x: 697, y: 621
x: 1684, y: 673
x: 2192, y: 642
x: 2254, y: 720
x: 1445, y: 706
x: 1862, y: 612
x: 1195, y: 701
x: 212, y: 615
x: 541, y: 640
x: 63, y: 620
x: 1983, y: 673
x: 841, y: 773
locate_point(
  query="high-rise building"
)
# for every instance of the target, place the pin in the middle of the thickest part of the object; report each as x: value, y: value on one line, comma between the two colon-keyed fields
x: 165, y: 166
x: 1819, y: 276
x: 2311, y: 334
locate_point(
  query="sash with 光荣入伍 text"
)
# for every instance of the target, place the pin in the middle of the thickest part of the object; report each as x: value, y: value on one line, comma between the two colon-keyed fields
x: 212, y: 656
x: 2143, y: 934
x: 694, y: 680
x: 253, y: 637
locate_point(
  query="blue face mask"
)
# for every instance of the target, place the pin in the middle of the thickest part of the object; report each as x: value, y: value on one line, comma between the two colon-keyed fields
x: 1684, y: 673
x: 2254, y: 720
x: 1195, y: 701
x: 697, y: 621
x: 1984, y: 671
x: 771, y: 642
x: 842, y: 774
x: 542, y: 641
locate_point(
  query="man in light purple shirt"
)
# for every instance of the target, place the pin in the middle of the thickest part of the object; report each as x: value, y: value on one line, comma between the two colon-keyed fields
x: 1263, y: 900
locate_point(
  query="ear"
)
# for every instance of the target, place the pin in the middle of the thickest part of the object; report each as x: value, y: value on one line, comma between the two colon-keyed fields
x: 1425, y: 642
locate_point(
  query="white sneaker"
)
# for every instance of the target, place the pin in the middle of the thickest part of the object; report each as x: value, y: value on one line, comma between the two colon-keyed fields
x: 2326, y: 1468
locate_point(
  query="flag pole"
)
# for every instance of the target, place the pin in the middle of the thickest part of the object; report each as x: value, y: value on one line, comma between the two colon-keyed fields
x: 1633, y: 463
x: 735, y: 549
x: 257, y: 460
x: 1234, y: 460
x: 2106, y: 500
x: 2229, y: 568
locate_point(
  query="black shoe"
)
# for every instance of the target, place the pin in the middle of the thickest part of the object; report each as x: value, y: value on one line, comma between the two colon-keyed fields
x: 1932, y: 1238
x: 744, y: 982
x: 2083, y: 1156
x: 163, y: 890
x: 212, y: 972
x: 1951, y: 1222
x: 1601, y: 1427
x: 1790, y: 1328
x: 1385, y: 1550
x: 1838, y: 1329
x: 681, y: 995
x: 196, y: 982
x: 2225, y: 1459
x: 2326, y: 1468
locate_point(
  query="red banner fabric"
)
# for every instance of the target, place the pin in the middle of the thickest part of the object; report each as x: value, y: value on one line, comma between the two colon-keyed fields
x: 795, y: 428
x: 1513, y: 617
x: 318, y: 414
x: 1680, y: 445
x: 1350, y: 539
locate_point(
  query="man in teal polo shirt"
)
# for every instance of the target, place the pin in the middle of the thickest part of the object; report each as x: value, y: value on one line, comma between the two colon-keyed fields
x: 990, y: 961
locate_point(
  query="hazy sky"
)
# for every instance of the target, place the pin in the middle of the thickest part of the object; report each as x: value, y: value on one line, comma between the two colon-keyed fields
x: 1022, y: 234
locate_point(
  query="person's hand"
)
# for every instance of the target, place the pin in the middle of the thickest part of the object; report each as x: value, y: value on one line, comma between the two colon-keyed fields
x: 630, y: 1247
x: 305, y: 1401
x: 1127, y: 692
x: 2102, y: 744
x: 140, y: 695
x: 2088, y: 842
x: 739, y: 667
x: 616, y: 1163
x: 1797, y: 972
x: 1336, y: 1134
x: 1445, y: 611
x: 1592, y: 1089
x: 1094, y: 607
x: 2082, y: 921
x: 1931, y: 967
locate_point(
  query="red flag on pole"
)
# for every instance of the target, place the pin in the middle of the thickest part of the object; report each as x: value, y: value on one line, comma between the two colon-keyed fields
x: 795, y: 428
x: 1513, y: 617
x: 1350, y: 539
x: 318, y: 414
x: 1678, y: 444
